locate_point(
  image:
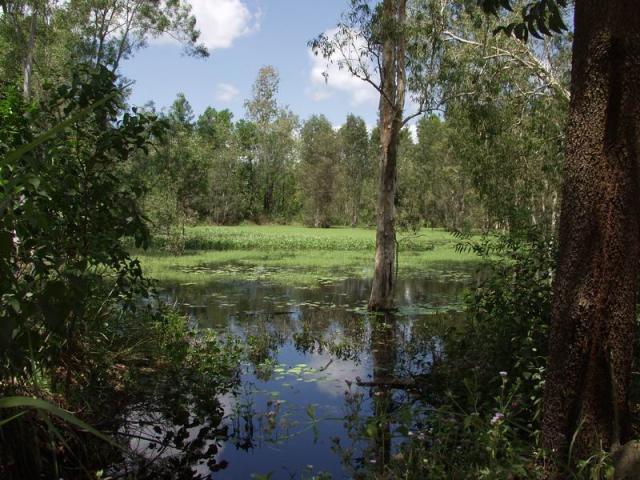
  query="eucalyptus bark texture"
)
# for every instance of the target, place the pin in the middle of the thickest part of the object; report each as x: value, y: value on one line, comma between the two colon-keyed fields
x: 393, y: 85
x: 593, y: 321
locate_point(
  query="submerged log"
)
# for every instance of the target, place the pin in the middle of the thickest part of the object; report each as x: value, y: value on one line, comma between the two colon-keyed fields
x: 398, y: 383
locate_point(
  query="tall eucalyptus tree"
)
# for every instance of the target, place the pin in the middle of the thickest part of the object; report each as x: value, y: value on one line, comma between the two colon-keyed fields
x: 319, y: 152
x: 375, y: 43
x: 356, y: 165
x: 274, y: 145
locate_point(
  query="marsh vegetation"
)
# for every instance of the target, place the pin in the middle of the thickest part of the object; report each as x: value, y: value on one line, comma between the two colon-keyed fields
x: 450, y: 293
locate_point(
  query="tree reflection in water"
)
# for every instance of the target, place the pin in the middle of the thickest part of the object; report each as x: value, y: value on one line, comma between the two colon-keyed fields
x: 383, y: 357
x: 324, y: 376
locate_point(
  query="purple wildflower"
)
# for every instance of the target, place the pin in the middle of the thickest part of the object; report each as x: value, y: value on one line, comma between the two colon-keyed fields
x: 498, y: 417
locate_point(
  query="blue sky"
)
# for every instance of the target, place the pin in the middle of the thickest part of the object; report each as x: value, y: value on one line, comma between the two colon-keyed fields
x: 242, y: 36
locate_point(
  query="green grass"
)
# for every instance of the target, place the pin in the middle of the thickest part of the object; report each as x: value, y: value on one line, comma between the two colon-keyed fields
x: 278, y: 237
x: 293, y: 254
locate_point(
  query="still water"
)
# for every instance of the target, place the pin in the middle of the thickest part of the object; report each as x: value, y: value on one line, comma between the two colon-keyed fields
x: 321, y: 370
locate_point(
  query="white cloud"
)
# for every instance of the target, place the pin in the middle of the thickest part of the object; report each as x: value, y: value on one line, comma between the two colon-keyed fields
x: 220, y: 22
x: 327, y: 77
x: 339, y: 371
x: 318, y: 95
x: 225, y: 92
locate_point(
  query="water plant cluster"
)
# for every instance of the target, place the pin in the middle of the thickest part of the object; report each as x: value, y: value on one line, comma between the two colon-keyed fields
x: 288, y: 238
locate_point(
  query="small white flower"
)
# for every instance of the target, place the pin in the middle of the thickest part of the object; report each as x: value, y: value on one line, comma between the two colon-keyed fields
x: 498, y: 417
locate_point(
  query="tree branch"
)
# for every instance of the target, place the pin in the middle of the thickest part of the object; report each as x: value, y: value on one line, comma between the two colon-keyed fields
x: 530, y: 62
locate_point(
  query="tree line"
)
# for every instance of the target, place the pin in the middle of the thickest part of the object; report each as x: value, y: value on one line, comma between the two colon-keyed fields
x: 491, y: 159
x: 272, y: 167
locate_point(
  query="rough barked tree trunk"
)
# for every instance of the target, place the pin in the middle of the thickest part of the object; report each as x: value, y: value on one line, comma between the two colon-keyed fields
x: 393, y: 76
x: 593, y: 322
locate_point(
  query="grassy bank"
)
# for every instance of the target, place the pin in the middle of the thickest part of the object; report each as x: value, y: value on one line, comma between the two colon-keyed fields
x: 295, y: 254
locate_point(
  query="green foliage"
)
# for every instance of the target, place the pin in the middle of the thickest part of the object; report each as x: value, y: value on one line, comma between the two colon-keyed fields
x: 318, y: 168
x: 486, y: 393
x: 151, y: 361
x: 517, y: 287
x: 172, y: 176
x: 45, y: 39
x: 506, y: 118
x: 356, y: 170
x: 48, y: 408
x: 65, y: 211
x: 433, y: 187
x: 482, y: 440
x: 294, y: 238
x: 491, y: 160
x: 274, y: 148
x: 538, y: 17
x: 77, y: 325
x: 218, y: 171
x: 78, y: 180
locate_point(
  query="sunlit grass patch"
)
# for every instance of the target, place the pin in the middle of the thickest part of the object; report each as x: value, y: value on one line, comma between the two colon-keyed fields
x: 300, y: 255
x: 291, y: 237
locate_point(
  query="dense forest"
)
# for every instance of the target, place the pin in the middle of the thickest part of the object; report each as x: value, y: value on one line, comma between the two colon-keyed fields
x: 450, y: 292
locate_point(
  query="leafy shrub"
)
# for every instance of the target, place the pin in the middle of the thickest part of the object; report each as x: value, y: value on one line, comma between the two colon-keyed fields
x: 147, y: 375
x: 78, y: 326
x: 65, y: 209
x: 485, y: 396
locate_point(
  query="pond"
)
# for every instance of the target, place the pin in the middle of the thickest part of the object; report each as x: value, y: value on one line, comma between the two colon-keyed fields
x: 325, y: 383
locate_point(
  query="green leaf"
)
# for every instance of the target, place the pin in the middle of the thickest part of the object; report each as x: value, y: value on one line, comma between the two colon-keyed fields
x: 531, y: 28
x: 27, y: 402
x: 542, y: 27
x: 40, y: 139
x: 521, y: 32
x: 7, y: 420
x: 35, y: 182
x: 555, y: 19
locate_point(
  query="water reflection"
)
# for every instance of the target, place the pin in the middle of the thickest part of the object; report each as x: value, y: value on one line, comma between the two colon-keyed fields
x: 327, y: 386
x: 383, y: 359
